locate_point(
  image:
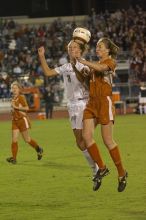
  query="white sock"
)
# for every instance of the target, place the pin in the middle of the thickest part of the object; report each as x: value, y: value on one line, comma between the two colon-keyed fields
x: 91, y: 163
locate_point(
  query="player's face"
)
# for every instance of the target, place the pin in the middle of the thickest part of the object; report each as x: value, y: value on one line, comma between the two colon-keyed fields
x: 15, y: 90
x: 101, y: 49
x: 74, y: 50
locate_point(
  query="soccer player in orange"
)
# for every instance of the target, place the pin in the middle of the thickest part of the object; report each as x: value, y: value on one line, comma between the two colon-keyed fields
x: 100, y: 110
x: 20, y: 123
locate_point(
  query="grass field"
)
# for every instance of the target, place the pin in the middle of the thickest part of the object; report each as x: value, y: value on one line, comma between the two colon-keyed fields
x: 59, y: 187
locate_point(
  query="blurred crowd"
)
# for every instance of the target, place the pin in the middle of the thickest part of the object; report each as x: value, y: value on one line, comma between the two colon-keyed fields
x: 19, y: 45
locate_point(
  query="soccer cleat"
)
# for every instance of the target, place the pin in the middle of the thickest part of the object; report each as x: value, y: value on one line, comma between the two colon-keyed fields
x: 101, y: 173
x: 11, y: 160
x: 96, y: 184
x: 122, y: 182
x: 40, y: 153
x: 98, y: 178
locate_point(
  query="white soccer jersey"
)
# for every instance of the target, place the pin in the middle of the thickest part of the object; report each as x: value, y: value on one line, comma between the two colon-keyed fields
x: 74, y: 89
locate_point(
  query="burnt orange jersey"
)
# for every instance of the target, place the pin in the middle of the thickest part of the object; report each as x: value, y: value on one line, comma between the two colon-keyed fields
x: 101, y: 82
x: 100, y: 104
x: 20, y: 101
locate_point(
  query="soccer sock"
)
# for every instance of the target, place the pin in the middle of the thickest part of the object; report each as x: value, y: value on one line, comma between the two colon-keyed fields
x: 115, y: 155
x: 34, y: 145
x: 91, y: 162
x: 95, y: 154
x: 14, y: 148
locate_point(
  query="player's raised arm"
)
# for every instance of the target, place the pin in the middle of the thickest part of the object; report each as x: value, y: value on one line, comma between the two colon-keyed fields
x: 47, y: 71
x: 94, y: 65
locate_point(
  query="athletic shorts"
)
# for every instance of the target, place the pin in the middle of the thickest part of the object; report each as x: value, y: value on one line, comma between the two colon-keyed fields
x: 75, y: 111
x: 102, y: 109
x: 21, y: 124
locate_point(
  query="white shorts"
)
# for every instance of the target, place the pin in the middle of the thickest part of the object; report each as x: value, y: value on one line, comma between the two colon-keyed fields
x: 75, y: 111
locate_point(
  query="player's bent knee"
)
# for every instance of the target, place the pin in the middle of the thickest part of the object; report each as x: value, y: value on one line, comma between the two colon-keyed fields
x: 110, y: 145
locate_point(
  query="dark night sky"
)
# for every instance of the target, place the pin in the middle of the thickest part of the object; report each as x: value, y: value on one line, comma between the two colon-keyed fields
x: 38, y: 7
x: 14, y: 8
x: 43, y: 7
x: 48, y: 8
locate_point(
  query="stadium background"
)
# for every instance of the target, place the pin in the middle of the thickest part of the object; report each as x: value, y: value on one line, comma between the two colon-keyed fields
x: 59, y: 187
x: 63, y: 16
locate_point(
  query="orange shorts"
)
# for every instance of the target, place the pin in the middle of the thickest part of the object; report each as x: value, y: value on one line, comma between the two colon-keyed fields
x: 21, y: 124
x: 102, y: 109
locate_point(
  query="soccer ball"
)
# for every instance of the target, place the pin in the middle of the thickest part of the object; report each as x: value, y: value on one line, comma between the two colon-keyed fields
x: 82, y: 34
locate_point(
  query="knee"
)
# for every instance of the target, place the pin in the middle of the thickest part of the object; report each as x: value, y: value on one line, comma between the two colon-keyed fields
x: 27, y: 140
x: 14, y: 140
x: 85, y: 136
x: 110, y: 143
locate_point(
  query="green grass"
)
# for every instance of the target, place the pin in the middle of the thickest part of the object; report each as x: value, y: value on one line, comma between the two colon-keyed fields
x: 59, y: 187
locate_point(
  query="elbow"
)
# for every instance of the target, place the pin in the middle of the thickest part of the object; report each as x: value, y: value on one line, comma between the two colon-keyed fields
x: 46, y: 73
x: 98, y: 69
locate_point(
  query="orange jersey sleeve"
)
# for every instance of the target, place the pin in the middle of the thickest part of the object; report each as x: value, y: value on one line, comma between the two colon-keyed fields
x: 111, y: 63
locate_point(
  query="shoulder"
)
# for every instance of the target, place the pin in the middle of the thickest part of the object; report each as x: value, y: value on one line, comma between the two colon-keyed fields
x: 62, y: 68
x: 22, y: 98
x: 110, y: 62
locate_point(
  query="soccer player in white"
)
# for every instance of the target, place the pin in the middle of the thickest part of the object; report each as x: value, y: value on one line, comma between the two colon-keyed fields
x: 77, y: 94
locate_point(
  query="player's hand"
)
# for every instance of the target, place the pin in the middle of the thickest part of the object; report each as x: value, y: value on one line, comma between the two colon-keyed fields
x: 41, y: 51
x: 81, y: 60
x: 85, y: 71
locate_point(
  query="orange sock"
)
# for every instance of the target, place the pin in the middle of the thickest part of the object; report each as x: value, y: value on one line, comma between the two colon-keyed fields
x: 33, y: 144
x: 115, y: 155
x: 95, y: 154
x: 14, y: 148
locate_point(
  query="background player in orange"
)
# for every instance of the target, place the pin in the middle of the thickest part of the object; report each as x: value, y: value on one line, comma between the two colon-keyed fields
x: 20, y: 123
x: 100, y: 110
